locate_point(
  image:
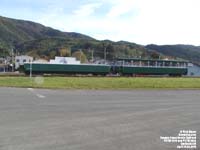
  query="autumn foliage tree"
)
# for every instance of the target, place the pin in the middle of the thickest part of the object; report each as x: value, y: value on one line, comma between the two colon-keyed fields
x: 79, y: 55
x: 65, y: 52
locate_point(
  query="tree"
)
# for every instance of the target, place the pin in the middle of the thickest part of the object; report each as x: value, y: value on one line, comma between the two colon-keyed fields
x: 3, y: 52
x: 110, y: 51
x: 79, y: 55
x: 52, y: 54
x: 155, y: 55
x: 65, y: 52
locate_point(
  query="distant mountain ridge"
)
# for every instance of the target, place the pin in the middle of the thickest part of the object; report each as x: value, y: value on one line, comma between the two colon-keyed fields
x: 35, y: 39
x: 188, y: 52
x: 14, y: 31
x: 32, y: 38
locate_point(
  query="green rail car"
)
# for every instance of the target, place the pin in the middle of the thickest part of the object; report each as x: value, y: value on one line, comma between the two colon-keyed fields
x: 153, y: 70
x: 121, y: 66
x: 67, y: 69
x: 137, y: 66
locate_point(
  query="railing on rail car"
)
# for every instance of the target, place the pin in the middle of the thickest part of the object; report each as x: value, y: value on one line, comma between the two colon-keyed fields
x: 136, y: 62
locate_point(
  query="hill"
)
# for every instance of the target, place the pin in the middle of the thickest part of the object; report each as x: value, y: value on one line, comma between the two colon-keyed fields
x: 15, y: 31
x: 188, y: 52
x: 27, y: 37
x: 31, y: 38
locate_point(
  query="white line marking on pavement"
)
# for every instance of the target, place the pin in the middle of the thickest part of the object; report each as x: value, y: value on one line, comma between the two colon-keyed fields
x: 38, y: 95
x: 30, y: 89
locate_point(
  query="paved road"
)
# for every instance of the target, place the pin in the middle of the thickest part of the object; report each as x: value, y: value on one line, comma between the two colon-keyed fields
x: 33, y: 119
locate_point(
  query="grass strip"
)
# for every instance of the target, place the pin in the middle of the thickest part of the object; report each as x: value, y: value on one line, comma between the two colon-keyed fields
x: 101, y: 82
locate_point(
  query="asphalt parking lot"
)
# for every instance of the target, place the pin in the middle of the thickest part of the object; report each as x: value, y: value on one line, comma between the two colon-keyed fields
x: 35, y: 119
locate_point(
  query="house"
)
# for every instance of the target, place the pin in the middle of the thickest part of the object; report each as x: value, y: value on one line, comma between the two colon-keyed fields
x: 20, y: 60
x: 5, y: 65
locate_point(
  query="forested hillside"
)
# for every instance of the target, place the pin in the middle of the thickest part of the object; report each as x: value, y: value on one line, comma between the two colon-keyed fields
x: 26, y: 37
x: 31, y: 38
x: 188, y: 52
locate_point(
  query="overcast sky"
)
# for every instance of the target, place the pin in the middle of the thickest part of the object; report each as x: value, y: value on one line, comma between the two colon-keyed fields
x: 139, y: 21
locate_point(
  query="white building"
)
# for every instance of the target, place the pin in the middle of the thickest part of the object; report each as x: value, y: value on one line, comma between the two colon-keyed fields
x: 20, y: 60
x: 64, y: 60
x: 40, y: 61
x: 193, y: 70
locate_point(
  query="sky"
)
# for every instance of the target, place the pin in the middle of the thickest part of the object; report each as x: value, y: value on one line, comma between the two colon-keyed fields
x: 139, y: 21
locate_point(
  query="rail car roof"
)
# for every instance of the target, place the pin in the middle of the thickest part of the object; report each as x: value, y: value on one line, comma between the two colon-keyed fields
x: 158, y: 60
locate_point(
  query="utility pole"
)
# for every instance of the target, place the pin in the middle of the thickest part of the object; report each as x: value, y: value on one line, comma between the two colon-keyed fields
x: 92, y: 51
x: 4, y: 65
x: 80, y: 54
x: 31, y: 69
x: 12, y: 60
x: 105, y: 53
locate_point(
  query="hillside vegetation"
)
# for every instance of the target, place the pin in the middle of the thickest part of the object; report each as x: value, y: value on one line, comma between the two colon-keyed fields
x: 37, y: 40
x: 34, y: 39
x: 188, y: 52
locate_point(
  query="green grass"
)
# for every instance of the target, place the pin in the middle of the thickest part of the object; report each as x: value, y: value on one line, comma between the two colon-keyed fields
x: 102, y: 83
